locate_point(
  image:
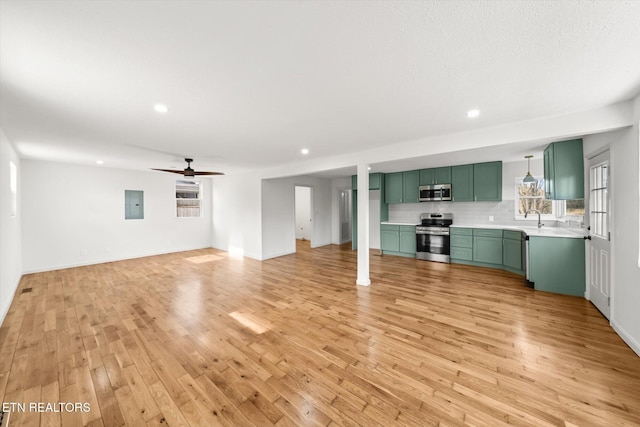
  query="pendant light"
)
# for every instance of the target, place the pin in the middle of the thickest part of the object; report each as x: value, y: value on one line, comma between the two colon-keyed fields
x: 528, y: 178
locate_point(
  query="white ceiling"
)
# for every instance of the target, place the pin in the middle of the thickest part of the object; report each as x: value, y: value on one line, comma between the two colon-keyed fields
x: 249, y: 84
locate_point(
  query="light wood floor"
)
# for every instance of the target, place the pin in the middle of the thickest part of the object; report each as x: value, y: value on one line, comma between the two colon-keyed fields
x: 203, y: 339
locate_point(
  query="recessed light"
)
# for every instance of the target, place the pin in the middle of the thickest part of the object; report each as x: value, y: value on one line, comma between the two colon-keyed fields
x: 100, y: 162
x: 305, y: 151
x: 369, y: 168
x: 161, y: 108
x: 472, y: 114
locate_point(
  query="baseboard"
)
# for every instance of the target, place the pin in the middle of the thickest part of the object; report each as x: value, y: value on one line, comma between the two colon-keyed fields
x: 628, y: 339
x: 105, y: 260
x: 7, y: 306
x: 277, y: 254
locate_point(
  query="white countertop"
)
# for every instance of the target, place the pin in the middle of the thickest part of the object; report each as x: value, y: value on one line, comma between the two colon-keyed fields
x: 413, y: 224
x: 572, y: 233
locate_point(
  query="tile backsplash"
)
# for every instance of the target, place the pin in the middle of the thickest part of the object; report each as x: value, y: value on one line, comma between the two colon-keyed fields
x: 463, y: 213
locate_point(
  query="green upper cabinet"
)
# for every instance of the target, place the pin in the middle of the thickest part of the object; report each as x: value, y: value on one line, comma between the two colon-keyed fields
x: 410, y: 184
x: 564, y: 170
x: 401, y: 187
x: 393, y: 187
x: 375, y: 181
x: 487, y: 182
x: 435, y: 176
x: 462, y: 183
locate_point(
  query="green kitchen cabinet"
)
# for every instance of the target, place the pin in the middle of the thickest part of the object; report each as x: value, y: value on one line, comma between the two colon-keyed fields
x: 410, y: 186
x: 399, y: 240
x: 375, y: 181
x: 556, y: 264
x: 487, y: 182
x: 393, y: 187
x: 564, y: 170
x: 513, y: 251
x: 462, y: 183
x: 354, y: 220
x: 487, y: 246
x: 408, y: 239
x: 461, y: 244
x: 435, y: 176
x: 390, y: 238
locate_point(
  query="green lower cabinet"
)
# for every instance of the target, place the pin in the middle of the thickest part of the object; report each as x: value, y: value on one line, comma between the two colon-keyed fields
x: 557, y: 264
x: 399, y: 240
x: 408, y: 241
x: 461, y: 244
x: 488, y: 247
x: 487, y: 250
x: 461, y: 254
x: 390, y: 240
x: 512, y: 252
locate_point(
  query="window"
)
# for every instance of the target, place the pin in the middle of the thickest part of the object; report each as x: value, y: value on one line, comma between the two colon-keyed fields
x: 530, y: 196
x: 599, y: 201
x: 13, y: 185
x: 188, y: 199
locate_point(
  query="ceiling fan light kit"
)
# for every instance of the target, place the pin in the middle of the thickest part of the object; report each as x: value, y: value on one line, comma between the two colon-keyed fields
x: 188, y: 172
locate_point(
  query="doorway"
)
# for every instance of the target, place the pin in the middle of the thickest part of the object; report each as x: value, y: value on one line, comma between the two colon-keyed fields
x: 599, y: 245
x: 344, y: 215
x: 303, y: 216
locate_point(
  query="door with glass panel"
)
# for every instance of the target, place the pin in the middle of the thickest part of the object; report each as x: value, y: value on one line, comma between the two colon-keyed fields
x: 599, y: 245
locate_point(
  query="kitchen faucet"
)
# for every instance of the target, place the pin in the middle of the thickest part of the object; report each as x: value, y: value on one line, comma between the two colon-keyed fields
x: 535, y: 211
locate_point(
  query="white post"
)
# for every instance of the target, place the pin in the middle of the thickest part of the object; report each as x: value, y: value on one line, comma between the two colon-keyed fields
x: 363, y: 225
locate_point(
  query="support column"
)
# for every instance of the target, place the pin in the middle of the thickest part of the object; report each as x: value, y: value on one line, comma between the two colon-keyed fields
x: 363, y: 225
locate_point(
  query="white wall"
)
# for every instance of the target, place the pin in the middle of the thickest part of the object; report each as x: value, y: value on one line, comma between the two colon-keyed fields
x: 278, y: 214
x: 237, y: 214
x: 10, y: 239
x: 304, y: 227
x: 67, y: 209
x: 625, y: 168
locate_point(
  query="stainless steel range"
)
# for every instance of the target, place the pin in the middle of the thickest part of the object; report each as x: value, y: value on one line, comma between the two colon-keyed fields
x: 432, y: 237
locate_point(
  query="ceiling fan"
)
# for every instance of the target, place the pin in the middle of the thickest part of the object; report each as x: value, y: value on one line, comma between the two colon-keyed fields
x: 188, y: 172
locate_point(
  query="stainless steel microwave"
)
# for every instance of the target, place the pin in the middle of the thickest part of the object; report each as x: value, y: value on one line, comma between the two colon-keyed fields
x: 435, y: 193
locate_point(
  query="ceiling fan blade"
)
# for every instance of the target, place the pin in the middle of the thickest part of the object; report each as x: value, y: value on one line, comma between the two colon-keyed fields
x: 181, y: 172
x: 207, y: 173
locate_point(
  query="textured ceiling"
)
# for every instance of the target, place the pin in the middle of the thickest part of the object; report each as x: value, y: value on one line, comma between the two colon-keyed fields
x: 249, y: 84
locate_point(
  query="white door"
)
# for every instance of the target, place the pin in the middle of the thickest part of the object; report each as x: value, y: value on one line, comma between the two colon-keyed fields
x: 599, y: 247
x: 303, y: 213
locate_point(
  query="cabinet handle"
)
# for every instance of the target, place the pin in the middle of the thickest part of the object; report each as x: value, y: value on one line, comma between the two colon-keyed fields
x: 475, y: 198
